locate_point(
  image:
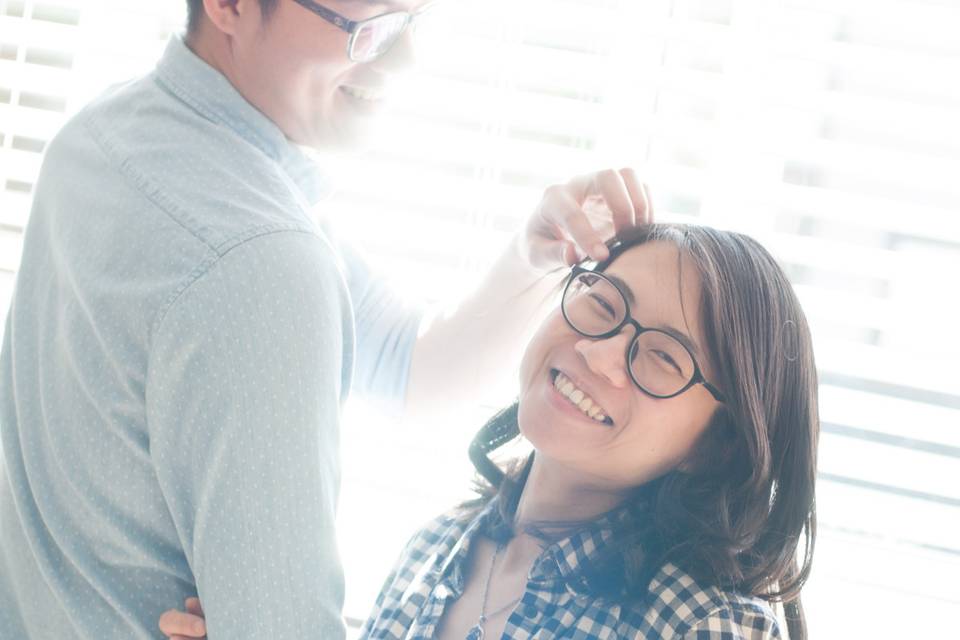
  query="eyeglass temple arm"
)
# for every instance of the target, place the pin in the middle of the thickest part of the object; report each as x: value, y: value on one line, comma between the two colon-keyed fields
x: 716, y: 393
x: 424, y: 9
x: 330, y: 16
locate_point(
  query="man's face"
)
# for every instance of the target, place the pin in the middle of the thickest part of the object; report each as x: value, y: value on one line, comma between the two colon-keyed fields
x: 294, y: 67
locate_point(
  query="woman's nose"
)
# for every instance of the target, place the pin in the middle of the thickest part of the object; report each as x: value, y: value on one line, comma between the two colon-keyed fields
x: 607, y: 358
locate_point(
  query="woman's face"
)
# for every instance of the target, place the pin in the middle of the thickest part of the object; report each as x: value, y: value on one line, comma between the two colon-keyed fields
x: 644, y: 437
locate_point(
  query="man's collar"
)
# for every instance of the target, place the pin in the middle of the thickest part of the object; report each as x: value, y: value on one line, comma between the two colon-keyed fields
x: 210, y: 93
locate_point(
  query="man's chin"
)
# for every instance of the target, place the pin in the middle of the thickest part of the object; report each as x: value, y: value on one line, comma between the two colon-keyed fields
x: 353, y: 136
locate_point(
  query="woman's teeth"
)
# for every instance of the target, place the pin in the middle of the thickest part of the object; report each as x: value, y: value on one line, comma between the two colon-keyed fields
x: 579, y: 399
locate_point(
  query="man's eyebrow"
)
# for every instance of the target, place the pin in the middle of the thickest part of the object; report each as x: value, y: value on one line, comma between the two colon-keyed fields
x: 389, y: 4
x: 681, y: 337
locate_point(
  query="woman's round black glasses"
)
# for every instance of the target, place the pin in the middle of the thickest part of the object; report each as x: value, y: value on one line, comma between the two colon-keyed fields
x: 370, y: 38
x: 658, y: 362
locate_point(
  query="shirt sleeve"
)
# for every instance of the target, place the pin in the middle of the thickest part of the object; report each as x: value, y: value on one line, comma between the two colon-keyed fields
x: 243, y: 404
x: 735, y: 623
x: 386, y: 326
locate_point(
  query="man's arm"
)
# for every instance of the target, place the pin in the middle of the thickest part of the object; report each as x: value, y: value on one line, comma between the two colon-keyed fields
x: 243, y: 404
x: 472, y: 352
x: 477, y: 346
x: 386, y: 326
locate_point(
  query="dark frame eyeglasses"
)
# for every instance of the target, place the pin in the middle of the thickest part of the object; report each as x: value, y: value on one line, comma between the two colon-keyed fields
x: 396, y: 23
x: 695, y: 378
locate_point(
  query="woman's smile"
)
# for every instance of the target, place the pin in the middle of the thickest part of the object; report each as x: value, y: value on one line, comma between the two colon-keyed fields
x: 569, y: 397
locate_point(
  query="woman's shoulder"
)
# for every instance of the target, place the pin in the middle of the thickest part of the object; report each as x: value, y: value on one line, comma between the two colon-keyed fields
x: 680, y: 607
x: 432, y: 542
x: 442, y: 529
x: 415, y: 573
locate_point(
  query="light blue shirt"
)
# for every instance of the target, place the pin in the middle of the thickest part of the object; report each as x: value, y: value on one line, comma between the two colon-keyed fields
x: 179, y: 344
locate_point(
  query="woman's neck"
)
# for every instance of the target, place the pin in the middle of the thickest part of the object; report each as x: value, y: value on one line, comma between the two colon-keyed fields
x: 554, y: 493
x: 551, y: 495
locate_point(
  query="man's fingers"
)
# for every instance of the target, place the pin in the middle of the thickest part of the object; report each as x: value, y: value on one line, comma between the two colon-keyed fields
x: 624, y: 208
x: 573, y: 218
x: 569, y: 255
x: 179, y: 623
x: 646, y: 192
x: 639, y: 195
x: 549, y: 254
x: 193, y: 606
x: 564, y: 210
x: 578, y: 226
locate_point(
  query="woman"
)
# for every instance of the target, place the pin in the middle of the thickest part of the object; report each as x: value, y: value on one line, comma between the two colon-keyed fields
x: 671, y: 405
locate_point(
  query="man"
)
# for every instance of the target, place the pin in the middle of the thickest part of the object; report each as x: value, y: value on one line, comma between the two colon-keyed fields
x: 182, y: 333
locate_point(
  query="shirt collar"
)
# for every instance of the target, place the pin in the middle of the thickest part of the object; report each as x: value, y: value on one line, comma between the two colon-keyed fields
x: 209, y: 93
x: 452, y: 568
x: 574, y: 557
x: 570, y: 558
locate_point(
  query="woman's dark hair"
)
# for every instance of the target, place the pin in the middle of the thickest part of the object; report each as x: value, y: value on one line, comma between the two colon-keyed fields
x: 736, y: 517
x: 195, y: 11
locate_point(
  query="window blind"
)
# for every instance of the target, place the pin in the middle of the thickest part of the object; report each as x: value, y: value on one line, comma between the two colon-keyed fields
x: 825, y: 129
x: 55, y: 57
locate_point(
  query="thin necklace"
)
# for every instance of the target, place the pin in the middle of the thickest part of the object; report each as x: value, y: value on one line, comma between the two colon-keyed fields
x: 476, y: 633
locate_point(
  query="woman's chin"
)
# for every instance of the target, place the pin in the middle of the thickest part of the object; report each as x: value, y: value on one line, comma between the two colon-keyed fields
x: 555, y: 434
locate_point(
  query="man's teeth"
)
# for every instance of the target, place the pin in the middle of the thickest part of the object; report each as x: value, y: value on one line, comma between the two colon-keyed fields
x: 362, y: 94
x: 579, y: 399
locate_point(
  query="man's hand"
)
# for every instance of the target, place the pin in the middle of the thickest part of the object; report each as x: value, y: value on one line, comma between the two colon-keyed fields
x: 574, y: 220
x: 181, y: 625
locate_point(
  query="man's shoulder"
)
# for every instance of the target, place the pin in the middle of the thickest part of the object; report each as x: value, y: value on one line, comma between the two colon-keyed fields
x: 197, y: 173
x: 139, y: 177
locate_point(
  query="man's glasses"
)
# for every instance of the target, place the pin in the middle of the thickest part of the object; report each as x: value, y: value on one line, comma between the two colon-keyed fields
x: 658, y: 362
x: 370, y: 38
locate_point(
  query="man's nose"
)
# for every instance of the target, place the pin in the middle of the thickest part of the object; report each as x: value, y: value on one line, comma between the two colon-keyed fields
x: 607, y: 358
x: 400, y: 57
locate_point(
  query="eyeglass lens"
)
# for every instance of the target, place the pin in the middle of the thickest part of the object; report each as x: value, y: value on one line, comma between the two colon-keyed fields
x: 659, y: 363
x: 374, y: 37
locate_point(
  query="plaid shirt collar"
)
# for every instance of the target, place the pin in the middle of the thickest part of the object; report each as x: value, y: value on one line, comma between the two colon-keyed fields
x: 566, y: 558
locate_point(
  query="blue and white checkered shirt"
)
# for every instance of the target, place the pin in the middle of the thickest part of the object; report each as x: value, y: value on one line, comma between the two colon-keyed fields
x: 431, y: 573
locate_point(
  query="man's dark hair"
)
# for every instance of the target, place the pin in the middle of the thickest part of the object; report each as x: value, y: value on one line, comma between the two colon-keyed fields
x: 195, y: 11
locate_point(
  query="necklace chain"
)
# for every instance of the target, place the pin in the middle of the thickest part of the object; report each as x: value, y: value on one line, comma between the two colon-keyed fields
x: 493, y: 614
x: 478, y: 628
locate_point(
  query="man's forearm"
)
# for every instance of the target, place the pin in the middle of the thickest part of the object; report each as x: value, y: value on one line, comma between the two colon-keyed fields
x: 474, y: 350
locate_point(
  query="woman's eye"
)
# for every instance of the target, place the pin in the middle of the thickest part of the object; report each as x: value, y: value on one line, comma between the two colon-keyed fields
x: 606, y: 306
x: 665, y: 357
